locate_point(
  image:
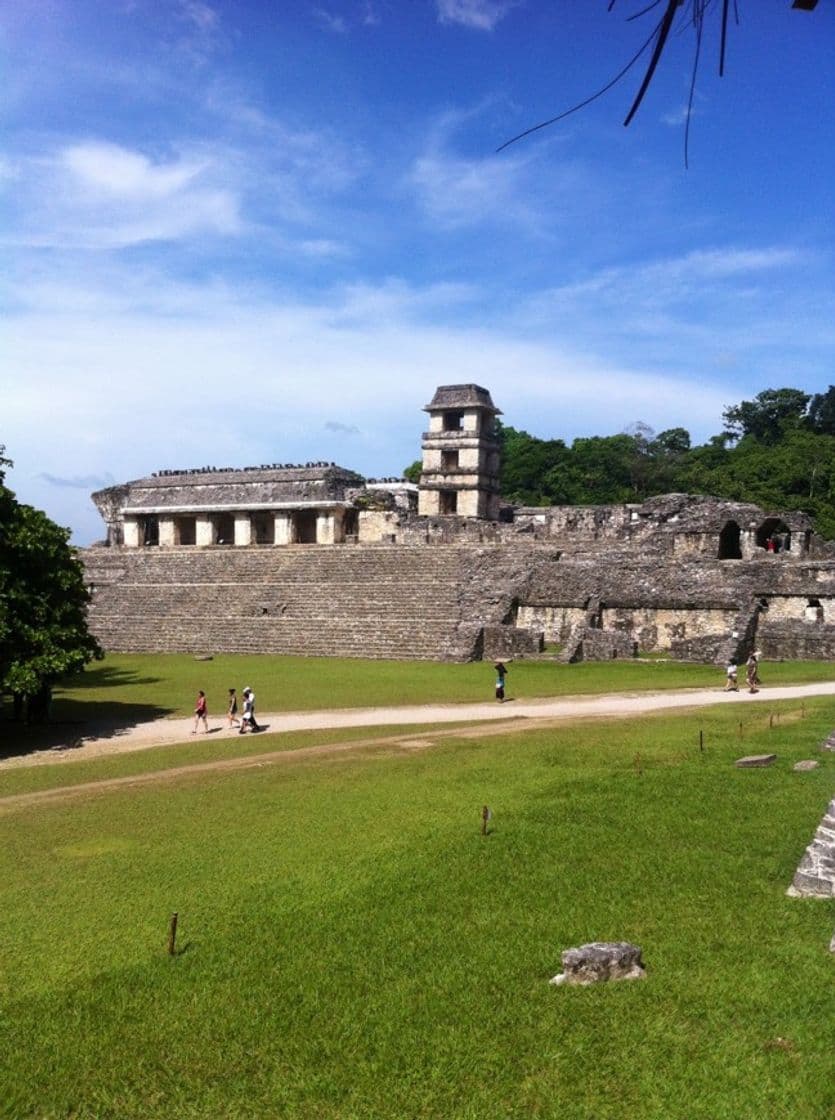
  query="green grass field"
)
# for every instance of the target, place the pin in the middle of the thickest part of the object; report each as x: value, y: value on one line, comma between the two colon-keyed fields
x: 352, y: 947
x: 166, y: 684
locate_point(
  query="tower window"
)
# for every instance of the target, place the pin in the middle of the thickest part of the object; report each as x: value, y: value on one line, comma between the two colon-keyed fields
x: 449, y: 460
x: 453, y: 421
x: 448, y: 501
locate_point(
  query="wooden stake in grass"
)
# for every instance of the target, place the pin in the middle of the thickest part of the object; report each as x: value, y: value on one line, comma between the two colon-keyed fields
x: 485, y: 817
x: 172, y: 935
x: 771, y: 720
x: 701, y: 740
x: 740, y: 729
x: 638, y: 765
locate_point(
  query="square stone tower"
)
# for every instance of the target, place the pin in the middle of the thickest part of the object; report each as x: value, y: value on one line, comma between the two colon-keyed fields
x: 460, y: 455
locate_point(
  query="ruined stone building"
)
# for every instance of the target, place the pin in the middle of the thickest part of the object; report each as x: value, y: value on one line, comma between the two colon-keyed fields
x: 315, y: 559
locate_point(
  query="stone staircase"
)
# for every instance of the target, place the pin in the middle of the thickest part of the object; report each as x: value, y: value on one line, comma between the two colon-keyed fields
x: 341, y: 601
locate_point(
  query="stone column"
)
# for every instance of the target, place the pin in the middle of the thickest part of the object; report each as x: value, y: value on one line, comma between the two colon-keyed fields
x: 204, y: 531
x: 748, y: 543
x: 283, y: 528
x: 131, y: 531
x: 324, y: 528
x: 243, y: 529
x: 166, y: 532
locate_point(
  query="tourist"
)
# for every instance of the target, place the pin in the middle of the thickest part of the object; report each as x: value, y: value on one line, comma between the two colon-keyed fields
x: 501, y: 676
x: 248, y: 719
x: 732, y: 683
x: 200, y: 713
x: 232, y: 709
x: 752, y: 674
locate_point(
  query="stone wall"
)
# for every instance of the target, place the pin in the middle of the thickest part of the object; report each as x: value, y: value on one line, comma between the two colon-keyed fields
x: 344, y: 600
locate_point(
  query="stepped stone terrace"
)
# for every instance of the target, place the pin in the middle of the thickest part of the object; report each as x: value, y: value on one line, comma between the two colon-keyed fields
x: 314, y: 558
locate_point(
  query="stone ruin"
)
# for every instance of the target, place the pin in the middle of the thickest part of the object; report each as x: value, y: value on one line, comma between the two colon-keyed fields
x: 815, y: 875
x: 315, y: 559
x: 600, y: 961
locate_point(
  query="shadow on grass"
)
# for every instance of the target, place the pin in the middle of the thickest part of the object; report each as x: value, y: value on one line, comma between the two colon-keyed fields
x: 72, y: 722
x: 104, y: 676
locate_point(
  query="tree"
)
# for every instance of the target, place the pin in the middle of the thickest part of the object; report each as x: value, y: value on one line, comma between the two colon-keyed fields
x: 768, y: 416
x: 821, y: 415
x: 43, y: 604
x: 693, y: 12
x: 527, y: 462
x: 413, y: 471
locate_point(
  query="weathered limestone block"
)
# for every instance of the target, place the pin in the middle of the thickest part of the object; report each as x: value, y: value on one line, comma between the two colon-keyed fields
x: 131, y: 533
x: 243, y: 529
x: 167, y: 535
x: 806, y: 764
x: 601, y: 960
x: 829, y: 743
x: 815, y: 875
x: 751, y: 760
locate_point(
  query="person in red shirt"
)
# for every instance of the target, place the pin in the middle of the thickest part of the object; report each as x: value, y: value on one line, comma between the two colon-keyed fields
x: 200, y: 713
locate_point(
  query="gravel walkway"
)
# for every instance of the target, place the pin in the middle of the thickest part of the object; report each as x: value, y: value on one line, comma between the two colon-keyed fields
x: 102, y: 739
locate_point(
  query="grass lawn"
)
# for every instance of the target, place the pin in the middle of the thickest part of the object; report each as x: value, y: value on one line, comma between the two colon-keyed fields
x: 352, y: 947
x: 149, y: 685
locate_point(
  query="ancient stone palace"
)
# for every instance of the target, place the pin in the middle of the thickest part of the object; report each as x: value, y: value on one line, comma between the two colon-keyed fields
x: 316, y: 559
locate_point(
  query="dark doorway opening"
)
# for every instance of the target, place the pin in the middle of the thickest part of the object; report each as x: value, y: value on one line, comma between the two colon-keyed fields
x: 225, y: 529
x: 150, y: 531
x: 306, y: 527
x: 448, y: 501
x: 774, y: 535
x: 185, y: 530
x: 729, y: 548
x: 263, y: 528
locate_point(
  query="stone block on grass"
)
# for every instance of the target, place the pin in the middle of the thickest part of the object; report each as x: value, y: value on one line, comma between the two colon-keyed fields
x: 599, y: 961
x: 751, y: 760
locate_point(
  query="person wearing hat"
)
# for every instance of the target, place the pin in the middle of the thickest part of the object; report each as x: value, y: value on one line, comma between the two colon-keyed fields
x: 248, y: 718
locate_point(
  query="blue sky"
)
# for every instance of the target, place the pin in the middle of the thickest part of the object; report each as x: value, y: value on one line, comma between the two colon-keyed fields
x: 245, y: 232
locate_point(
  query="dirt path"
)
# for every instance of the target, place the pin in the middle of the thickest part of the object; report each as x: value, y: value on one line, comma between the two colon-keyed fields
x: 105, y: 741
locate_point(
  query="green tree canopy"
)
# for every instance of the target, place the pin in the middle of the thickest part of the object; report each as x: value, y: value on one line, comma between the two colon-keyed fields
x: 43, y: 602
x: 768, y: 416
x: 778, y: 451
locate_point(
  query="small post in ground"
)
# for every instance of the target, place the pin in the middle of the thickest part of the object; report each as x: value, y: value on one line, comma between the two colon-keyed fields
x: 172, y: 935
x: 485, y: 817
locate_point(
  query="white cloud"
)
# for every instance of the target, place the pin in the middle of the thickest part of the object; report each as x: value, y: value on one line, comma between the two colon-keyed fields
x: 481, y: 15
x: 94, y: 195
x: 330, y: 22
x: 149, y: 375
x: 120, y: 172
x: 201, y: 15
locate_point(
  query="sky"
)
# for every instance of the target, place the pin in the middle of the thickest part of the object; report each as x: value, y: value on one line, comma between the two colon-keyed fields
x: 250, y: 232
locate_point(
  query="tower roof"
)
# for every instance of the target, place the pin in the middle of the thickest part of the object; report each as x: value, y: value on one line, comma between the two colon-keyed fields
x: 461, y: 396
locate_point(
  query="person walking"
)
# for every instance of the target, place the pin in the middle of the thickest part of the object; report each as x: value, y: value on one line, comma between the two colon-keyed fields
x: 732, y: 682
x: 501, y: 677
x: 248, y: 718
x: 232, y: 709
x: 752, y: 674
x: 201, y: 713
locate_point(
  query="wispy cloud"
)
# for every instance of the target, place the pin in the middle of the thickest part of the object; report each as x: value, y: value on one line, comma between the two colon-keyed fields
x: 481, y: 15
x: 79, y: 482
x: 95, y: 195
x: 336, y: 24
x: 344, y: 429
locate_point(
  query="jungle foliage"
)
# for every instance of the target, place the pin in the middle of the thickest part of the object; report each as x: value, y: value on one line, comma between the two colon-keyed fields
x: 43, y: 601
x: 777, y: 450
